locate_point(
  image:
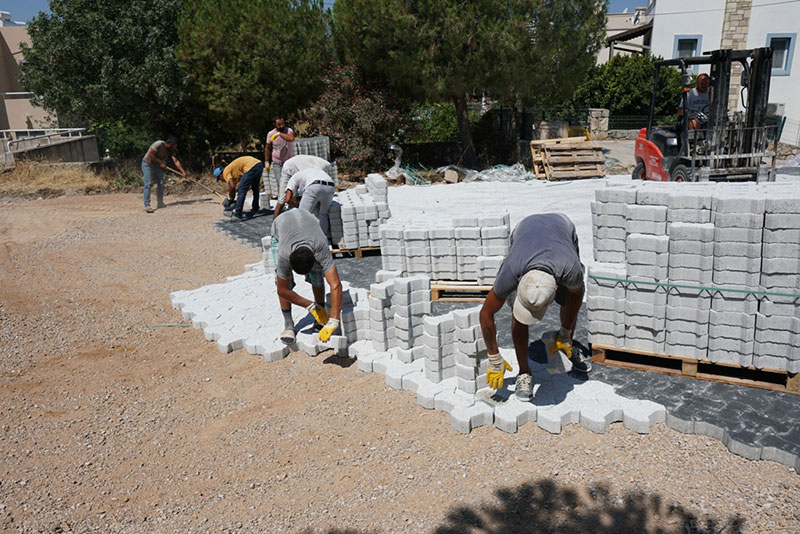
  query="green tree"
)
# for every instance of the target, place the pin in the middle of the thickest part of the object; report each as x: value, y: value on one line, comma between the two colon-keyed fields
x: 625, y: 85
x: 358, y: 119
x: 253, y: 59
x: 519, y: 51
x: 109, y: 62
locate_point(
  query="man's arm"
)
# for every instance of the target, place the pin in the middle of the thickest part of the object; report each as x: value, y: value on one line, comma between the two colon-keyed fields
x: 490, y: 307
x: 571, y: 307
x: 178, y: 165
x: 279, y: 205
x: 285, y: 292
x: 332, y: 277
x: 288, y: 136
x: 268, y: 152
x: 231, y: 190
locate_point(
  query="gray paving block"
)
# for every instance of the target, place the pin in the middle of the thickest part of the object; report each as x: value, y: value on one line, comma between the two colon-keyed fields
x: 610, y: 221
x: 396, y: 370
x: 691, y: 261
x: 785, y: 323
x: 685, y: 351
x: 635, y: 212
x: 449, y: 400
x: 744, y: 280
x: 786, y: 203
x: 366, y: 360
x: 694, y: 200
x: 746, y: 450
x: 725, y: 248
x: 656, y: 347
x: 513, y: 413
x: 741, y: 235
x: 782, y: 236
x: 748, y: 220
x: 467, y: 233
x: 647, y: 243
x: 691, y: 232
x: 493, y: 232
x: 691, y: 247
x: 736, y: 204
x: 645, y: 258
x: 606, y: 256
x: 738, y: 263
x: 600, y: 338
x: 498, y: 219
x: 607, y: 232
x: 466, y: 418
x: 783, y: 283
x: 699, y: 341
x: 616, y: 194
x: 782, y: 221
x: 646, y: 227
x: 427, y: 391
x: 640, y: 415
x: 685, y: 426
x: 761, y: 361
x: 781, y: 265
x: 654, y: 194
x: 732, y: 319
x: 465, y: 222
x: 688, y: 216
x: 648, y: 294
x: 552, y: 418
x: 596, y: 418
x: 610, y: 245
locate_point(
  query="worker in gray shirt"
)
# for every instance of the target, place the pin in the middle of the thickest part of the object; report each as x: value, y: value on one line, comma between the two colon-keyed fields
x: 542, y: 265
x: 299, y: 245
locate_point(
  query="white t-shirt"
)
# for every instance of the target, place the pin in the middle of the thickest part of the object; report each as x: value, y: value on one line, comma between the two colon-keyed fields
x: 696, y: 101
x: 301, y: 180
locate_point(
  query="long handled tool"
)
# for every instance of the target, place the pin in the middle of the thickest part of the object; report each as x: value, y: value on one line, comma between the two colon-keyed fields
x: 194, y: 181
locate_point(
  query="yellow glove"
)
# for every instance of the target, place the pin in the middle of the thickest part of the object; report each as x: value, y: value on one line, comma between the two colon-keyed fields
x: 566, y: 346
x: 326, y: 333
x: 266, y: 167
x: 319, y: 313
x: 497, y: 369
x: 274, y: 136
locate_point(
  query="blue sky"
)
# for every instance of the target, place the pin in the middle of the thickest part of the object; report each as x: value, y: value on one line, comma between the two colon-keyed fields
x: 25, y: 10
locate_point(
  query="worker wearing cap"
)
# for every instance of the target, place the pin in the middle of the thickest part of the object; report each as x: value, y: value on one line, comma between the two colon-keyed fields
x: 310, y: 190
x: 542, y: 265
x: 298, y: 245
x: 244, y: 172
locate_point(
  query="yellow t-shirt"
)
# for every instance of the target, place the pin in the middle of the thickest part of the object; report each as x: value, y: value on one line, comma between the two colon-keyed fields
x: 238, y: 167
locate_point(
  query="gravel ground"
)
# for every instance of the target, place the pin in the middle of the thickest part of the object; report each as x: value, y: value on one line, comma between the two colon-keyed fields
x: 109, y: 425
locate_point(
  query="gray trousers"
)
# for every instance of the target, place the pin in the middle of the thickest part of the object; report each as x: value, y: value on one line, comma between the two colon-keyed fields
x: 317, y: 199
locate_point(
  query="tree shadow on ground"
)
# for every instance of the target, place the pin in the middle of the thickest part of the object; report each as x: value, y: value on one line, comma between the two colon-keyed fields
x: 544, y: 506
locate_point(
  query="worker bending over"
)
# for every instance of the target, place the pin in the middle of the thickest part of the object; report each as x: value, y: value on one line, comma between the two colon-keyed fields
x: 299, y: 245
x: 244, y: 172
x: 310, y: 190
x: 542, y: 265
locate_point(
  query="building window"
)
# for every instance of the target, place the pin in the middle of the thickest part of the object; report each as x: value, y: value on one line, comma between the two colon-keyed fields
x: 782, y: 45
x: 688, y: 46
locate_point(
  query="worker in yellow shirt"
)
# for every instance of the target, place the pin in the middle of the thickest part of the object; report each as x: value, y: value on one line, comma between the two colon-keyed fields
x: 245, y: 172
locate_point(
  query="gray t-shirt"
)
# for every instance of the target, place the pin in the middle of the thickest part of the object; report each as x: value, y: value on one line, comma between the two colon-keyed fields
x: 293, y: 229
x: 161, y: 150
x: 695, y: 101
x: 547, y: 242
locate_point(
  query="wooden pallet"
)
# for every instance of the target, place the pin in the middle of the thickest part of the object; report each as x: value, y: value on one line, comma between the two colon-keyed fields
x: 567, y: 158
x: 458, y: 291
x: 356, y: 252
x: 700, y: 369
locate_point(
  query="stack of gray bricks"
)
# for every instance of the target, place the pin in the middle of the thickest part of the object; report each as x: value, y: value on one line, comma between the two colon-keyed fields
x: 411, y: 302
x: 495, y: 234
x: 468, y: 247
x: 444, y: 265
x: 393, y: 256
x: 487, y: 268
x: 438, y: 342
x: 777, y: 337
x: 729, y: 257
x: 356, y: 215
x: 381, y: 316
x: 417, y: 249
x: 471, y: 357
x: 608, y: 222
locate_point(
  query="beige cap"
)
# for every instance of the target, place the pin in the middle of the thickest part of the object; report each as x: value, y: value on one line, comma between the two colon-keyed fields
x: 535, y: 292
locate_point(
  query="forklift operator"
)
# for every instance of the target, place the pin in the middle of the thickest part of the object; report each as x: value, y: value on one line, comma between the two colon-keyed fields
x: 696, y: 101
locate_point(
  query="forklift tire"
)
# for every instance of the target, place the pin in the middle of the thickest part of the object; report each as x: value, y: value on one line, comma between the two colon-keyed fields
x: 680, y: 173
x: 638, y: 171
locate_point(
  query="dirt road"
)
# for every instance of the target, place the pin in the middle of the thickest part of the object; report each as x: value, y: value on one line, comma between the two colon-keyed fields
x: 109, y: 425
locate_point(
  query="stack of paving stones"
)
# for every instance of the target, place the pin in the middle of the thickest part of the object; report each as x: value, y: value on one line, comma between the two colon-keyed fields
x: 777, y: 336
x: 470, y: 249
x: 471, y: 356
x: 728, y: 255
x: 356, y: 215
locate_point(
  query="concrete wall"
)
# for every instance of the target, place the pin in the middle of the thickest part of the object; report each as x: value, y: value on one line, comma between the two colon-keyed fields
x: 75, y: 149
x: 16, y: 113
x: 686, y: 17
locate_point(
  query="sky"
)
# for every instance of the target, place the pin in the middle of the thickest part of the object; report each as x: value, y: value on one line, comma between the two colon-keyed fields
x: 25, y: 10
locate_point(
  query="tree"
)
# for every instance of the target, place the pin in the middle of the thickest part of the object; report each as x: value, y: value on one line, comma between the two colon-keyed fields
x: 625, y: 85
x: 109, y: 62
x: 357, y: 118
x: 251, y: 60
x: 519, y: 51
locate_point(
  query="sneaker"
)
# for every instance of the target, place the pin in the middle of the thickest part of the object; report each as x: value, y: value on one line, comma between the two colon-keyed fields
x: 579, y: 362
x: 148, y: 209
x: 524, y: 390
x: 287, y: 337
x: 236, y: 217
x: 161, y: 205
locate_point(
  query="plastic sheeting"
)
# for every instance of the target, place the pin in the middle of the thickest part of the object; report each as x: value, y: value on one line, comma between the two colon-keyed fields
x: 499, y: 173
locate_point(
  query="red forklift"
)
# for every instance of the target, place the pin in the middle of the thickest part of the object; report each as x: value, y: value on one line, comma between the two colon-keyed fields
x: 725, y: 145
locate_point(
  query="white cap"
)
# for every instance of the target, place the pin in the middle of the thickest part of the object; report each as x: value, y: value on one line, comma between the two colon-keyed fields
x: 535, y: 292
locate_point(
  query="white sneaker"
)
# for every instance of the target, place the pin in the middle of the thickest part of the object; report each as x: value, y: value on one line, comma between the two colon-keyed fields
x: 524, y: 389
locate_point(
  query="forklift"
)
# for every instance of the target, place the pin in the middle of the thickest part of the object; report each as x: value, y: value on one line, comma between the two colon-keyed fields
x: 725, y: 145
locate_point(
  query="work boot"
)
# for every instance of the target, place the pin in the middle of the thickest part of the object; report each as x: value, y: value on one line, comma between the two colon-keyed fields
x: 524, y: 389
x: 579, y: 362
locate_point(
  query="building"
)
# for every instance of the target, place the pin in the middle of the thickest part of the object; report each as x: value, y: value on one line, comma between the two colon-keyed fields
x: 16, y: 110
x: 626, y: 34
x: 682, y: 28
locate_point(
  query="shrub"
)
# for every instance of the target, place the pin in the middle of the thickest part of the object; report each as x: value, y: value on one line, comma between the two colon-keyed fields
x: 359, y: 120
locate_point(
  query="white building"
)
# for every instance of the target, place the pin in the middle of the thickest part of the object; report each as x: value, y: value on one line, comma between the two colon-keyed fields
x: 688, y: 28
x: 626, y: 34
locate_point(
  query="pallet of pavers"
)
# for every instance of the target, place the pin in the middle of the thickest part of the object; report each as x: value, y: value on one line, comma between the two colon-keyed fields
x: 567, y: 158
x: 698, y: 280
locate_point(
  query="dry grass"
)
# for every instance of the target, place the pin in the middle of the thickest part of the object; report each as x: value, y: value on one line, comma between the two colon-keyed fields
x: 30, y: 178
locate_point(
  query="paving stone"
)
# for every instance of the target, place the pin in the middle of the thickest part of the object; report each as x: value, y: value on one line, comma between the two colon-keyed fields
x: 737, y: 204
x: 396, y: 370
x: 596, y: 418
x: 466, y: 418
x: 616, y: 194
x: 781, y: 236
x: 366, y: 360
x: 427, y: 391
x: 691, y: 261
x: 691, y: 247
x: 739, y: 235
x: 513, y: 413
x: 552, y: 418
